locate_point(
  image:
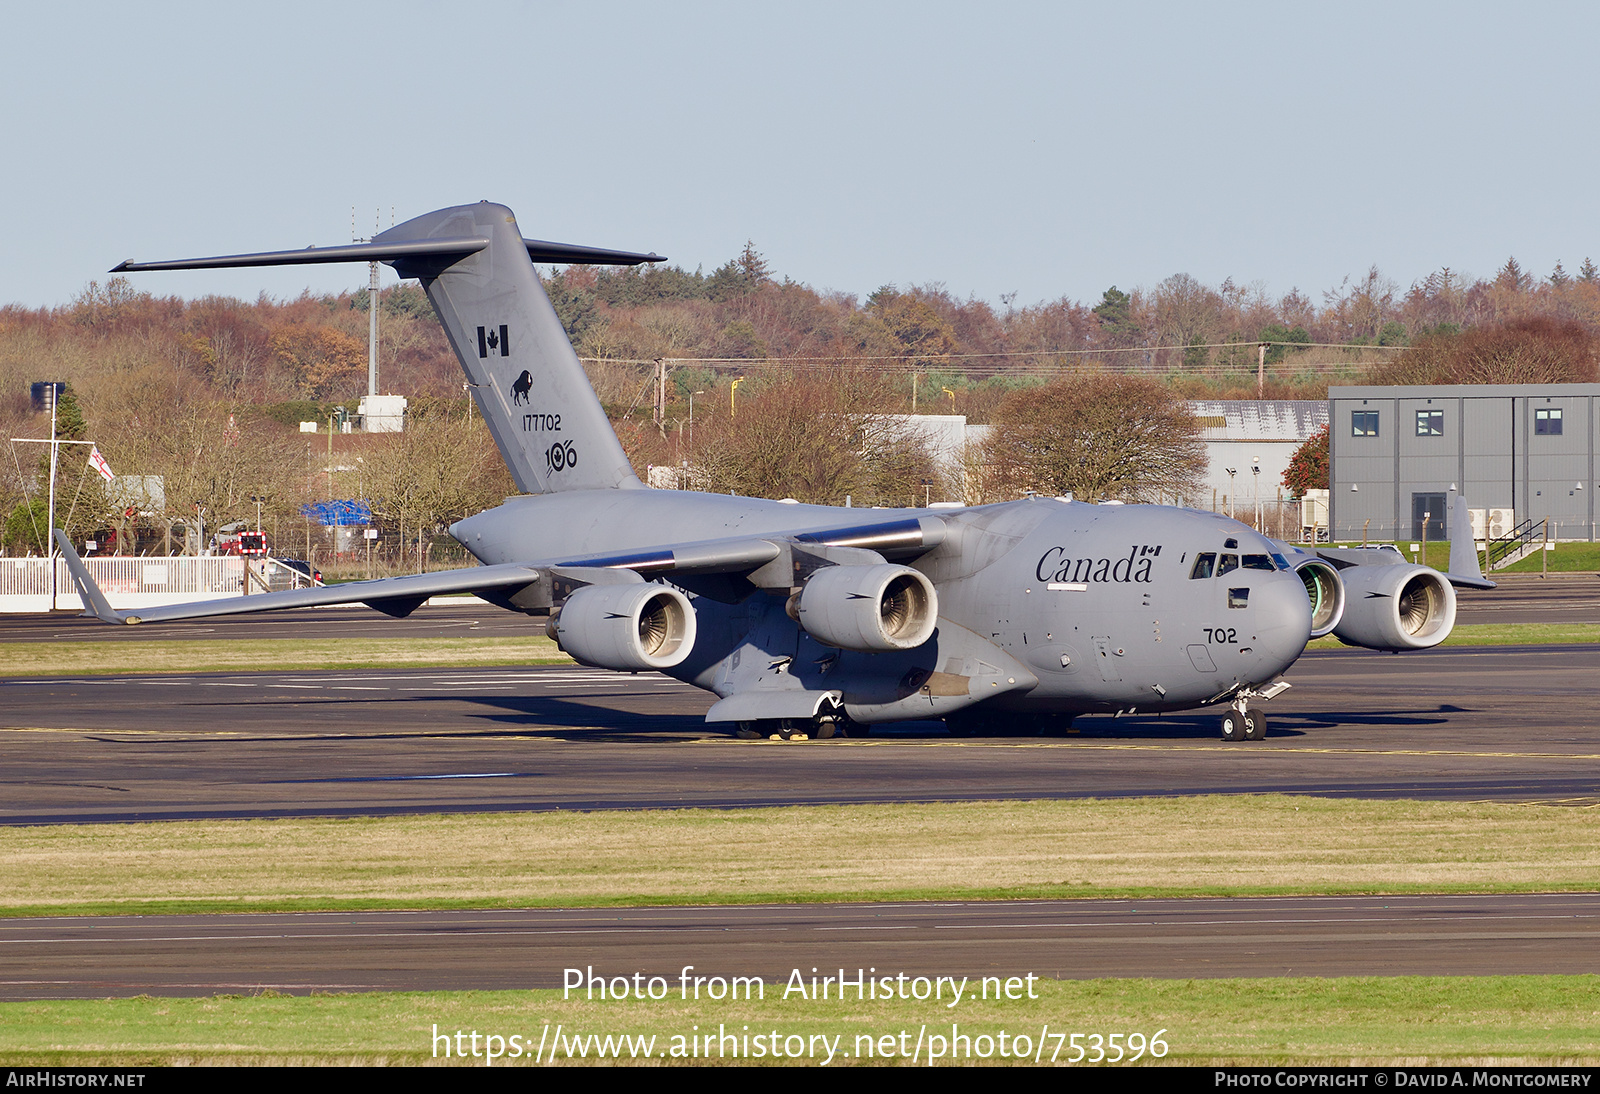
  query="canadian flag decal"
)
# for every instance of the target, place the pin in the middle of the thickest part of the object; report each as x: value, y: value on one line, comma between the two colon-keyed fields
x: 492, y: 341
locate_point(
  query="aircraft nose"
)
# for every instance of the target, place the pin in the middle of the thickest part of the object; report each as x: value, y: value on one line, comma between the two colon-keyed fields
x: 1282, y: 622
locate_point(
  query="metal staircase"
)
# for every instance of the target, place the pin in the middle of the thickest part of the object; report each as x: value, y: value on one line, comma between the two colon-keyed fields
x: 1516, y: 545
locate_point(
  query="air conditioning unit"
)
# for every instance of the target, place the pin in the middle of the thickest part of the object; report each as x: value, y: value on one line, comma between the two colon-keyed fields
x: 1492, y: 523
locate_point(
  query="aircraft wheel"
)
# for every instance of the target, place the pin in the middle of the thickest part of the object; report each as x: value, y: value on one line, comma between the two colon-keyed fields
x: 790, y: 729
x: 1255, y: 725
x: 1234, y: 726
x: 826, y: 727
x: 746, y: 731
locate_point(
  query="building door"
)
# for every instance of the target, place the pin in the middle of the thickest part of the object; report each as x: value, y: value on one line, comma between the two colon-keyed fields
x: 1429, y: 508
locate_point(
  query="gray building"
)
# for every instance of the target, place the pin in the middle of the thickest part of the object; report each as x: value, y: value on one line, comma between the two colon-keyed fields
x: 1244, y: 434
x: 1396, y: 452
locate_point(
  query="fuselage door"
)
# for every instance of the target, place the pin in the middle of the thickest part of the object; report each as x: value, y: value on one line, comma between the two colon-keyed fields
x: 1105, y: 655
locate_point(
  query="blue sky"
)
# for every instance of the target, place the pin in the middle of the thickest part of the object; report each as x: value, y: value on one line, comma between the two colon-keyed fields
x: 1041, y: 149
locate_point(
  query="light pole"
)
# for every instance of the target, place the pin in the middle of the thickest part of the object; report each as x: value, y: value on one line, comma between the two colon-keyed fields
x: 1255, y: 473
x: 1232, y: 471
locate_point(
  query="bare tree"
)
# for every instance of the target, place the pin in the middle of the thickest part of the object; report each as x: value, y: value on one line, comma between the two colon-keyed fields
x: 1096, y: 437
x: 439, y: 470
x: 816, y: 441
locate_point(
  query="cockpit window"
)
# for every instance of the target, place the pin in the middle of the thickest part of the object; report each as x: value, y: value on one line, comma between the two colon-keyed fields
x: 1283, y: 563
x: 1203, y: 566
x: 1229, y: 564
x: 1258, y: 562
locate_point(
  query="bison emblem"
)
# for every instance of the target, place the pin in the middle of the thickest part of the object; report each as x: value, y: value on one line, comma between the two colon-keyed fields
x: 520, y: 389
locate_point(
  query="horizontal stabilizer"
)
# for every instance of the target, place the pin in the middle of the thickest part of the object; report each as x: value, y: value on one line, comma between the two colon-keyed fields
x: 349, y: 252
x: 450, y: 250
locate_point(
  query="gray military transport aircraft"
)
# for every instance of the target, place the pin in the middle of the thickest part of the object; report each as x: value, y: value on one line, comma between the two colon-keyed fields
x: 810, y: 620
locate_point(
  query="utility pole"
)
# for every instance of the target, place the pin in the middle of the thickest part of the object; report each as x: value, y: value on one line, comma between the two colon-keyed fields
x: 50, y: 519
x: 661, y: 395
x: 372, y: 329
x: 1261, y: 369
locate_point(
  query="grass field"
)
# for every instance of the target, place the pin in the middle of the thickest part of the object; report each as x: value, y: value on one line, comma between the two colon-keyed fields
x: 1567, y: 558
x: 1140, y: 848
x: 973, y: 850
x: 272, y: 654
x: 1365, y: 1020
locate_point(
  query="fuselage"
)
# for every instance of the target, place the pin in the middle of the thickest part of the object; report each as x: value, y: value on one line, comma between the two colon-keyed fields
x: 1085, y: 608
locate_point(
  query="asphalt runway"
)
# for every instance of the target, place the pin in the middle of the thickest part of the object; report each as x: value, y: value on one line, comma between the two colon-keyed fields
x: 1517, y: 724
x: 436, y: 951
x: 1469, y: 723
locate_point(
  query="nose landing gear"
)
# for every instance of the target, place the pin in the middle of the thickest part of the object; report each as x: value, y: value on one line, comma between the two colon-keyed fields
x: 1247, y: 723
x: 1244, y: 724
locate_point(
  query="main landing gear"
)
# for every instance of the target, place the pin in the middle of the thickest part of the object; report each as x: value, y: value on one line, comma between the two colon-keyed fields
x: 829, y: 722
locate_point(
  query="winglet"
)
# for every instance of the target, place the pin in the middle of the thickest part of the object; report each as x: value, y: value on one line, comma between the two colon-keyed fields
x: 1465, y: 572
x: 95, y: 602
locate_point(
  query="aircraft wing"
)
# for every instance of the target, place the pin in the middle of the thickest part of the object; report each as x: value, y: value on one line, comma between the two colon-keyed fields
x: 509, y: 584
x: 391, y: 595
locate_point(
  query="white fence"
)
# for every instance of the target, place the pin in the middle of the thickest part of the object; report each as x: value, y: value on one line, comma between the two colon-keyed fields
x: 127, y: 582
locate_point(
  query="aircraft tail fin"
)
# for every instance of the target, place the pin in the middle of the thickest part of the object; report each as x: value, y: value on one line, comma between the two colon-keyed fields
x: 525, y: 377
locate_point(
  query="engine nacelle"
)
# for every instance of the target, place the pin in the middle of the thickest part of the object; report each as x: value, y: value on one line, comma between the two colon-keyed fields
x: 1400, y: 607
x: 873, y: 609
x: 1327, y: 595
x: 630, y: 628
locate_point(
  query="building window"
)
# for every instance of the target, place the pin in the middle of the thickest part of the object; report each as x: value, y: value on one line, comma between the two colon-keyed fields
x: 1430, y: 423
x: 1547, y: 422
x: 1364, y: 423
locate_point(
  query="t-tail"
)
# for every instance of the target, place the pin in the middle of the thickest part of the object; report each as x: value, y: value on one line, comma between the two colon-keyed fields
x: 525, y: 377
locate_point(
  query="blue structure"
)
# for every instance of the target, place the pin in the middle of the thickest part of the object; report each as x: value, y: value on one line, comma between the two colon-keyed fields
x: 338, y: 514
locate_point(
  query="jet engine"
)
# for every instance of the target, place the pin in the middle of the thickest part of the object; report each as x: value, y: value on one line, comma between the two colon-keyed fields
x: 630, y: 628
x: 1400, y: 607
x: 1326, y: 592
x: 872, y: 609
